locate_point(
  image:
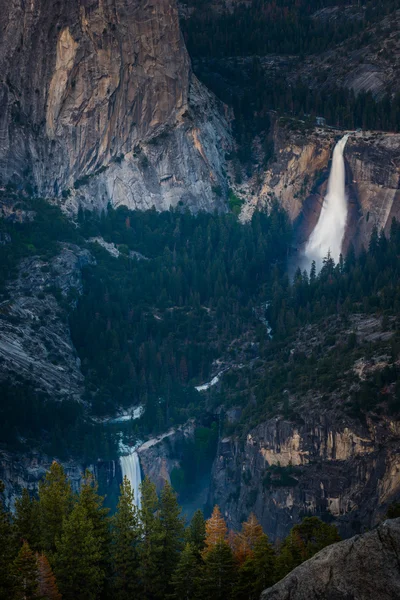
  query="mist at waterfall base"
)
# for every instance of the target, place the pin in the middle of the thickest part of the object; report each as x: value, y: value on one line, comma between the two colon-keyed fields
x: 130, y: 467
x: 328, y: 234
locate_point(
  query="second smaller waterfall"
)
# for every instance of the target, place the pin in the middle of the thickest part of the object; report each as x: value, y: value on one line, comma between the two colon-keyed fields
x: 130, y: 466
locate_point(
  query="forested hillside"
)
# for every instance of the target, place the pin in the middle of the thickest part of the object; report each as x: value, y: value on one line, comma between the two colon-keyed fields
x: 294, y: 27
x: 302, y: 59
x: 184, y: 294
x: 179, y: 293
x: 317, y: 323
x: 151, y: 325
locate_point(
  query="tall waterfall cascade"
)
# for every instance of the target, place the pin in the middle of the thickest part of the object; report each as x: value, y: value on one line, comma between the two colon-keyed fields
x: 328, y: 234
x: 130, y: 466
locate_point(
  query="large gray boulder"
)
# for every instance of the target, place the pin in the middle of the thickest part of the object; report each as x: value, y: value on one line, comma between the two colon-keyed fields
x: 366, y: 567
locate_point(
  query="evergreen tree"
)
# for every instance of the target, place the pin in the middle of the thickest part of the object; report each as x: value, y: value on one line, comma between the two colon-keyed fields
x: 78, y: 560
x: 26, y: 575
x: 126, y: 536
x: 291, y: 555
x: 90, y: 500
x: 55, y: 503
x: 172, y: 536
x: 257, y: 572
x: 264, y: 560
x: 196, y: 532
x: 245, y: 541
x: 7, y: 549
x: 27, y: 519
x: 186, y: 578
x: 48, y: 589
x: 216, y: 530
x: 152, y: 537
x: 219, y: 573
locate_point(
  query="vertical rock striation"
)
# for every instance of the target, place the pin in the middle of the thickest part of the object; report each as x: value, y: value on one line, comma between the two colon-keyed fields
x: 98, y: 104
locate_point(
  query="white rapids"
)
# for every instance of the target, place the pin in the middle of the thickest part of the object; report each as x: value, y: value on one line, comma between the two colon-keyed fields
x: 328, y: 234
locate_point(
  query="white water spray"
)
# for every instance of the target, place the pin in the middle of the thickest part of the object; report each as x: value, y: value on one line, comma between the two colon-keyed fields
x: 130, y: 466
x: 329, y: 232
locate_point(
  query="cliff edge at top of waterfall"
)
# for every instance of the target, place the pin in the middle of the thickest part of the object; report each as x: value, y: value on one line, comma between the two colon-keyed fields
x: 365, y: 567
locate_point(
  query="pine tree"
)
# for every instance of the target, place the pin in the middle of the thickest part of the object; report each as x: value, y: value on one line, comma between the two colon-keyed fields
x: 219, y: 573
x: 90, y: 500
x: 257, y: 572
x: 78, y: 558
x: 48, y: 589
x: 126, y: 535
x: 196, y: 532
x: 216, y: 530
x: 264, y: 564
x: 8, y: 548
x: 313, y: 272
x: 245, y: 541
x: 291, y: 555
x: 186, y: 579
x: 151, y: 546
x: 55, y: 503
x: 26, y: 575
x: 172, y: 536
x: 27, y: 519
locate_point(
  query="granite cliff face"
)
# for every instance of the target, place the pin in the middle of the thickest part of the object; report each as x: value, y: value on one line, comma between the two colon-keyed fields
x: 365, y: 567
x: 326, y: 466
x: 98, y: 104
x: 35, y: 340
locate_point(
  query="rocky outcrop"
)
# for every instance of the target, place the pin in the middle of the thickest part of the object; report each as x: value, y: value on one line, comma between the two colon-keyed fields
x: 19, y: 471
x: 35, y: 341
x: 160, y: 455
x: 98, y: 104
x: 326, y: 465
x: 365, y: 567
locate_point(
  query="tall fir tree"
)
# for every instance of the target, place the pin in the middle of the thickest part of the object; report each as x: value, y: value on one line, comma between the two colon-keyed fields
x: 257, y: 572
x: 27, y: 519
x: 186, y: 578
x: 219, y: 572
x: 8, y: 548
x: 55, y: 504
x: 246, y: 539
x: 125, y: 542
x: 172, y: 536
x: 48, y: 589
x: 196, y: 532
x: 92, y: 502
x: 151, y: 547
x: 78, y: 560
x: 26, y: 575
x: 216, y: 530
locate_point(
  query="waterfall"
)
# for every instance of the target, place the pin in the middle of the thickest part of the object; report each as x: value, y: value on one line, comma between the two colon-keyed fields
x: 329, y: 232
x: 130, y: 466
